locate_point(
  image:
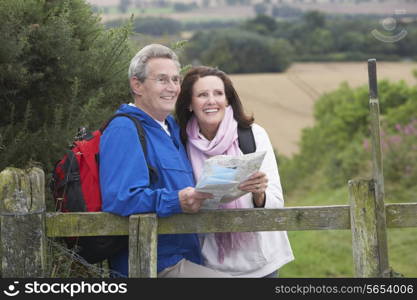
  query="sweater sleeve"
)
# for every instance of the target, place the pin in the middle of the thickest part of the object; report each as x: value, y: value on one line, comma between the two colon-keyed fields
x: 273, y: 193
x: 124, y: 177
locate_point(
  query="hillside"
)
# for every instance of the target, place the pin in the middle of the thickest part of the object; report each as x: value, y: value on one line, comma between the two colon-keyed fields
x: 283, y: 103
x: 218, y: 9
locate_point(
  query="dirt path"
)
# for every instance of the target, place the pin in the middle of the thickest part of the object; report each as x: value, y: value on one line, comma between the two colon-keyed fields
x: 283, y: 103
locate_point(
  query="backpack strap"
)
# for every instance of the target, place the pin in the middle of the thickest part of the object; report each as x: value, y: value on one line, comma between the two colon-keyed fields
x: 153, y: 174
x: 246, y: 140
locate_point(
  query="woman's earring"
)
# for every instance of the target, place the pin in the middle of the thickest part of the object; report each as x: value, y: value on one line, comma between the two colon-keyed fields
x: 190, y: 109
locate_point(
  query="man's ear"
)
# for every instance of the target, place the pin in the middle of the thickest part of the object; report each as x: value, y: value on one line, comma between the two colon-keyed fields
x: 136, y: 86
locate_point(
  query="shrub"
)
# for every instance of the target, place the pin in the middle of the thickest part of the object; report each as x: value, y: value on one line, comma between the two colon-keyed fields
x: 334, y: 147
x: 237, y: 51
x: 399, y: 150
x: 59, y: 69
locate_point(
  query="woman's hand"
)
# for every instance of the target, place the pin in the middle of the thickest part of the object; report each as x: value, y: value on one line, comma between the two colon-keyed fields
x: 256, y: 184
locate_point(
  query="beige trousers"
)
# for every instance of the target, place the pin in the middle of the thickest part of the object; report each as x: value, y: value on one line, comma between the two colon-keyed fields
x: 187, y: 269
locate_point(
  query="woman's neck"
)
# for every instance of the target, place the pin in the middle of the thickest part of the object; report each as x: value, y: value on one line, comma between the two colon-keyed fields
x: 209, y: 132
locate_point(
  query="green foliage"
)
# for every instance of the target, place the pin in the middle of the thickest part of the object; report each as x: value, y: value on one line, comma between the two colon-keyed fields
x: 336, y: 149
x: 404, y: 113
x: 151, y: 26
x: 237, y: 51
x: 314, y: 19
x: 59, y: 69
x: 320, y: 41
x: 399, y: 147
x: 261, y: 24
x: 317, y: 37
x: 208, y: 24
x: 335, y: 246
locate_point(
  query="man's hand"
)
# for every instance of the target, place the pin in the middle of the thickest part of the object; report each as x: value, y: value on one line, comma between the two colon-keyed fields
x: 191, y: 200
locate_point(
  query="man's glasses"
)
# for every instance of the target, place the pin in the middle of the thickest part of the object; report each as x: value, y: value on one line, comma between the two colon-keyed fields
x: 164, y: 79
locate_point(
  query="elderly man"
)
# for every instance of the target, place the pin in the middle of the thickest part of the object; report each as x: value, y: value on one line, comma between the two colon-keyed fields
x: 126, y: 185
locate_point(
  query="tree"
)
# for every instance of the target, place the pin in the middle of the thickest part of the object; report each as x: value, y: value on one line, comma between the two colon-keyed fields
x: 261, y: 24
x: 314, y: 19
x: 59, y: 69
x: 236, y: 51
x: 320, y: 41
x: 157, y: 26
x: 333, y: 149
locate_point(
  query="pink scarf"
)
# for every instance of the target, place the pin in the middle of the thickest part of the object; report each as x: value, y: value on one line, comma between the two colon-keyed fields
x: 199, y: 149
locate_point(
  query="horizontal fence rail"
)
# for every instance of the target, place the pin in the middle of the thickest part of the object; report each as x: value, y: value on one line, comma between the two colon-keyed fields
x: 23, y: 202
x: 335, y: 217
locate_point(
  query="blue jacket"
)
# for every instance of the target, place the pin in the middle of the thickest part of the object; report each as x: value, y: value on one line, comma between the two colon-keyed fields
x: 126, y: 188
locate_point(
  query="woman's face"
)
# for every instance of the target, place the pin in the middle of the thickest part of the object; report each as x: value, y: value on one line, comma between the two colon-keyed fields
x: 208, y: 103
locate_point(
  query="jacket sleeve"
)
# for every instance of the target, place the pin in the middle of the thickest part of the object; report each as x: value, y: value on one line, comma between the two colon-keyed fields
x: 273, y: 193
x: 124, y: 178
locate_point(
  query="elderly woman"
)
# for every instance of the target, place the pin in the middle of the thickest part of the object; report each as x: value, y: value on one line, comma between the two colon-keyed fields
x: 209, y: 113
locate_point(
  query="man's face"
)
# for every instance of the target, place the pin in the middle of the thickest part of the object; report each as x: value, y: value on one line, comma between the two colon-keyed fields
x: 159, y: 92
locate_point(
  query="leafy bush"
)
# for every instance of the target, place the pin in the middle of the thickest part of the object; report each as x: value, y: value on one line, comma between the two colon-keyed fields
x: 316, y: 36
x: 237, y: 51
x: 399, y: 148
x: 208, y: 24
x: 334, y: 148
x: 261, y: 24
x: 59, y: 69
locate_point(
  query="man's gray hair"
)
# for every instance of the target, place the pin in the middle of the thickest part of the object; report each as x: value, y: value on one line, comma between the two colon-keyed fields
x: 138, y: 63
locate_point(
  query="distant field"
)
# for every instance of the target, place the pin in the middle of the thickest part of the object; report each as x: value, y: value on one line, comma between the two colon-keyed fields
x: 328, y: 253
x: 283, y: 103
x: 242, y: 12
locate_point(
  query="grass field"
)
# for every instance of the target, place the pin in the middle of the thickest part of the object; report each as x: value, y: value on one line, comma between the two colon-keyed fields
x: 328, y: 253
x: 283, y: 103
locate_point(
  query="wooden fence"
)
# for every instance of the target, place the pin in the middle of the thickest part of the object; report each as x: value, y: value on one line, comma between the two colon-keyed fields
x: 23, y: 218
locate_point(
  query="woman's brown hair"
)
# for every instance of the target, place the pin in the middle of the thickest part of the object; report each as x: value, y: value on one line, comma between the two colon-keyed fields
x: 182, y: 112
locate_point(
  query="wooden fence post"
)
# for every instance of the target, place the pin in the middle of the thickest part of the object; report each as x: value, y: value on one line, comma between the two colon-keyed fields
x: 369, y: 249
x: 377, y: 163
x: 22, y: 226
x: 142, y: 246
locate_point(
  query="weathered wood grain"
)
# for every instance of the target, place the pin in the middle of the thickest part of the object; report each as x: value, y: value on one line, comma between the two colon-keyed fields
x: 291, y: 218
x: 142, y: 246
x: 134, y: 259
x: 22, y: 226
x: 401, y: 215
x: 377, y: 165
x: 85, y: 224
x: 369, y: 252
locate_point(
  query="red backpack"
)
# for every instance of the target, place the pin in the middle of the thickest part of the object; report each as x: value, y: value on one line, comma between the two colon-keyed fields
x: 75, y: 187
